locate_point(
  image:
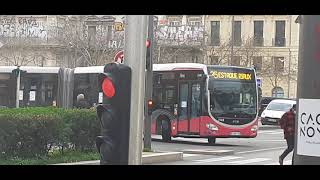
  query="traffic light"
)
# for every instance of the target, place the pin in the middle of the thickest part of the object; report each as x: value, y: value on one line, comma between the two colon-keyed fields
x: 114, y: 114
x: 148, y: 55
x: 150, y: 107
x: 18, y: 71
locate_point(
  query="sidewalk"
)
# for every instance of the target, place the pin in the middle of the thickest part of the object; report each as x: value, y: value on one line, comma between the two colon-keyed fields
x: 147, y: 158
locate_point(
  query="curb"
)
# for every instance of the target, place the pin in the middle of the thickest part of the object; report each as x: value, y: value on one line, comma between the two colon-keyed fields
x: 209, y: 152
x: 157, y: 157
x: 162, y: 157
x: 94, y: 162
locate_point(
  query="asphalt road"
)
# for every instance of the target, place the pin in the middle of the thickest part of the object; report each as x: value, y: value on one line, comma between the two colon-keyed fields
x: 262, y: 150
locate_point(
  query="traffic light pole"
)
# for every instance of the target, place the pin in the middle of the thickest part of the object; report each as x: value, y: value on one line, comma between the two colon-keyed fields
x: 148, y: 95
x: 135, y: 57
x: 307, y: 134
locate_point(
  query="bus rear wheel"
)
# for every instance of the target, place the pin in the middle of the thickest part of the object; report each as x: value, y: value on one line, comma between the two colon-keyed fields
x: 166, y: 131
x: 211, y: 140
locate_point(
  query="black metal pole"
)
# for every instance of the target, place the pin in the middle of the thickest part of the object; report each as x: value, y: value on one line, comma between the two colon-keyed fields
x: 307, y: 134
x: 148, y: 87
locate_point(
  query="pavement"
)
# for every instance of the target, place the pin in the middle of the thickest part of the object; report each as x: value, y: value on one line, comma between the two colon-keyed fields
x: 265, y: 149
x: 147, y: 158
x: 262, y: 150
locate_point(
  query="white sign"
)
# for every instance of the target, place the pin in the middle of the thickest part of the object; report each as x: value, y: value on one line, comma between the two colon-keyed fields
x: 308, y: 138
x: 183, y: 104
x: 20, y: 95
x: 32, y: 96
x: 100, y: 100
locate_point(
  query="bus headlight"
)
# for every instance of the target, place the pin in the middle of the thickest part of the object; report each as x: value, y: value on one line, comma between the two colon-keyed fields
x: 254, y: 128
x: 212, y: 127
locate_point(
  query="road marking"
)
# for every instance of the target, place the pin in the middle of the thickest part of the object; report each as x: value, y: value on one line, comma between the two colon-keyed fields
x: 270, y: 140
x: 270, y: 132
x: 258, y: 150
x: 217, y: 159
x: 288, y: 162
x: 267, y: 131
x: 276, y: 133
x: 190, y: 155
x: 248, y: 161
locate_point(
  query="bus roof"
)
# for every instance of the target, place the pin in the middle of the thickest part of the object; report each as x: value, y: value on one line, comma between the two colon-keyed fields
x: 7, y: 69
x: 179, y: 66
x: 90, y: 69
x: 31, y: 69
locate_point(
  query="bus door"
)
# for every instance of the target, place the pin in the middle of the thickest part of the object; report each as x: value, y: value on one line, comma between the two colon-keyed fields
x: 189, y: 110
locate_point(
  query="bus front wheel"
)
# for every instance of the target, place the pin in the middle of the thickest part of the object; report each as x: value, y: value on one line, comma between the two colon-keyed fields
x: 211, y: 140
x: 166, y: 134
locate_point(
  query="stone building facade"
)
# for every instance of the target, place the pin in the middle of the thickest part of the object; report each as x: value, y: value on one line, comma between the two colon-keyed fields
x: 268, y: 42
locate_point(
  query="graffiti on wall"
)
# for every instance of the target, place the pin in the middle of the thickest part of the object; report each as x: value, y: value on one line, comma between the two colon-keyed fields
x: 22, y: 27
x: 180, y: 35
x: 164, y: 34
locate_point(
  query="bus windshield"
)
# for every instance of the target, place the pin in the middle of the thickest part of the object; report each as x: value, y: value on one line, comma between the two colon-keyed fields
x: 229, y: 98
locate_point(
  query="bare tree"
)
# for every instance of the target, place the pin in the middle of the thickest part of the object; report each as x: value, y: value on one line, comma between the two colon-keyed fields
x: 170, y: 54
x: 218, y: 55
x: 273, y: 70
x: 89, y: 43
x: 248, y: 51
x: 20, y: 51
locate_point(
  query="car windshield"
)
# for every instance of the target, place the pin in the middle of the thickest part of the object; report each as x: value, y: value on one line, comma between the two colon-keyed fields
x: 228, y: 98
x: 279, y: 106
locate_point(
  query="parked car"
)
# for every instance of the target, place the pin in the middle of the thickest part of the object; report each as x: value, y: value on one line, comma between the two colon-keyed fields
x: 265, y: 101
x: 274, y: 111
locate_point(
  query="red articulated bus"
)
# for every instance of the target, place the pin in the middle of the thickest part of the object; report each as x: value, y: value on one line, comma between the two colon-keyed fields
x: 206, y: 101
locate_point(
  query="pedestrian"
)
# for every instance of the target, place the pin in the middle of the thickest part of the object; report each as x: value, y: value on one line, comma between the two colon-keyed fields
x: 287, y: 123
x: 82, y: 102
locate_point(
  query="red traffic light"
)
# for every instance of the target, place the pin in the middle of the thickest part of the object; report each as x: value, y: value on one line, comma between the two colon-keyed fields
x: 148, y: 43
x: 108, y: 88
x: 150, y: 103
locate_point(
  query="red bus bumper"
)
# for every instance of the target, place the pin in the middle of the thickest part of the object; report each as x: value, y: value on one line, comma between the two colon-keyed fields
x: 227, y: 131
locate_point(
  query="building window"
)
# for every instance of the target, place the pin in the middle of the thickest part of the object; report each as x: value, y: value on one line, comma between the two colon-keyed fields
x: 278, y: 63
x: 236, y: 61
x: 194, y: 23
x: 40, y: 61
x: 109, y: 33
x: 215, y: 33
x: 214, y: 60
x: 280, y: 39
x: 258, y: 33
x: 59, y: 60
x: 92, y: 31
x: 194, y: 59
x: 257, y: 62
x: 237, y: 33
x: 277, y: 92
x: 175, y: 23
x: 194, y: 20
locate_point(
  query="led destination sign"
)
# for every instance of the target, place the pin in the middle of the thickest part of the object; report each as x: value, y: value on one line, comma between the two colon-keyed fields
x: 231, y: 75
